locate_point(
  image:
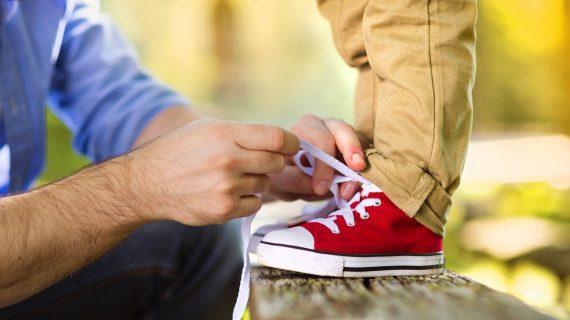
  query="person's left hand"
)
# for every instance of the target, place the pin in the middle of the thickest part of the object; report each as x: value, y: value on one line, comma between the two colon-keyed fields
x: 334, y: 137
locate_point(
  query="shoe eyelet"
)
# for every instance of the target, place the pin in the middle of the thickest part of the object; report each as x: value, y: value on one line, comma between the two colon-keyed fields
x: 351, y: 224
x: 364, y: 217
x: 377, y: 203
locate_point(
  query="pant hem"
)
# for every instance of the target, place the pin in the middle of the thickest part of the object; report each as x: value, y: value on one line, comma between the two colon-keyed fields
x: 423, y: 199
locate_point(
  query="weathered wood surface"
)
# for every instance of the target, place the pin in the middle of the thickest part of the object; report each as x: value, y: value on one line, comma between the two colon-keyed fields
x: 278, y: 294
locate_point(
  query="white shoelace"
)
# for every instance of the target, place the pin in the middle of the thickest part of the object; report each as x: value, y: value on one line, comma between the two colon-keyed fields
x: 347, y: 212
x: 311, y: 152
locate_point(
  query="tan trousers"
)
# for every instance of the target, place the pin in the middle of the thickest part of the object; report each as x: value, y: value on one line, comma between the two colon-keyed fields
x: 416, y: 62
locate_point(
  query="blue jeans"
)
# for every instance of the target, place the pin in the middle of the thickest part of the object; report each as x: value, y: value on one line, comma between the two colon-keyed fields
x: 164, y: 270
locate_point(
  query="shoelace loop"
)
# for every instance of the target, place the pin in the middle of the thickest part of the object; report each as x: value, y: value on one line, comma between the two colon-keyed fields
x: 347, y: 212
x: 346, y: 174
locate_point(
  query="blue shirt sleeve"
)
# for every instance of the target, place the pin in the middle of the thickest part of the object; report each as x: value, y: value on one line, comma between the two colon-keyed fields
x: 98, y: 88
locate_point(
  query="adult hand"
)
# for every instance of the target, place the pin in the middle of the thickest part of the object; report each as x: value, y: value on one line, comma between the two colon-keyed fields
x: 208, y: 171
x: 334, y: 137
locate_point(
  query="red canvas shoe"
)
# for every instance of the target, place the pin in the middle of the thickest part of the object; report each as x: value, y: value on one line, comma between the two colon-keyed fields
x: 368, y: 237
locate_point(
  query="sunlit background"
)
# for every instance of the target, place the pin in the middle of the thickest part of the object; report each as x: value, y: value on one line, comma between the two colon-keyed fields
x: 273, y: 61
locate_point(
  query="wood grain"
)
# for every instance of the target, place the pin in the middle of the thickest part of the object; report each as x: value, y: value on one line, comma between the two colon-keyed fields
x: 279, y: 294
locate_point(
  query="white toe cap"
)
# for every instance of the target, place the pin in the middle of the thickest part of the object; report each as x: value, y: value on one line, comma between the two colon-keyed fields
x: 296, y: 236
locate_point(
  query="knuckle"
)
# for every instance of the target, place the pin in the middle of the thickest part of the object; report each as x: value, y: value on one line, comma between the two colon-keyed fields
x: 226, y: 187
x: 280, y: 163
x: 226, y: 163
x: 309, y: 117
x: 304, y: 123
x: 339, y: 126
x: 334, y: 121
x: 219, y: 135
x: 278, y: 138
x: 216, y: 126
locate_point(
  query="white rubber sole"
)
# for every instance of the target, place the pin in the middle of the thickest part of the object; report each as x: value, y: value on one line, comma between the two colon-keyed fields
x: 322, y: 264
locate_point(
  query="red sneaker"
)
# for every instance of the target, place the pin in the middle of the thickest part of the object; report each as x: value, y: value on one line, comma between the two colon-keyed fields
x: 309, y: 212
x: 368, y: 237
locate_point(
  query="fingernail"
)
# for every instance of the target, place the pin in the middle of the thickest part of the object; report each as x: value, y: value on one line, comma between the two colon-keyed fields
x: 357, y: 158
x: 322, y: 188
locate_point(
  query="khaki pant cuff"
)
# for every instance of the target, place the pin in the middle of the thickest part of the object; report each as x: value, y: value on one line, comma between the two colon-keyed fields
x: 411, y: 189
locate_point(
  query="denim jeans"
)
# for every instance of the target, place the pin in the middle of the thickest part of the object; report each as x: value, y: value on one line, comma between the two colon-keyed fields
x: 164, y: 270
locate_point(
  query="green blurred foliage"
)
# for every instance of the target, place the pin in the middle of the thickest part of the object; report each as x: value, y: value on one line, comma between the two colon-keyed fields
x: 61, y: 158
x: 533, y: 199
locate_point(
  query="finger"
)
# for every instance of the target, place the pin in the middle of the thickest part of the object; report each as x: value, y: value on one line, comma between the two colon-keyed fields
x: 247, y: 206
x: 291, y: 180
x: 348, y: 189
x: 347, y: 142
x: 266, y: 138
x: 312, y: 129
x: 251, y: 184
x: 261, y: 162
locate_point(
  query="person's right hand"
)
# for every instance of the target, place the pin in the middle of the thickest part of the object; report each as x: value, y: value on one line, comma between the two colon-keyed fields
x: 208, y: 171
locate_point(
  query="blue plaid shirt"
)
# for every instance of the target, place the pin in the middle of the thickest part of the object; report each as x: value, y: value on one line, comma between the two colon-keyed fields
x: 67, y: 55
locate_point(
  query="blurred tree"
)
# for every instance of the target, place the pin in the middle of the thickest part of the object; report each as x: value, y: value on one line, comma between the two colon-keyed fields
x: 564, y: 63
x: 522, y: 80
x: 230, y: 81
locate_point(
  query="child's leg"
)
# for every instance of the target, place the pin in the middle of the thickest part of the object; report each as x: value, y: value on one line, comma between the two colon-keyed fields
x: 413, y: 100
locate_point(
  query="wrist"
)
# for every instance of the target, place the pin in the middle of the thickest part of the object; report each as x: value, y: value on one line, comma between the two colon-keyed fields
x: 166, y: 121
x: 138, y: 185
x: 128, y: 187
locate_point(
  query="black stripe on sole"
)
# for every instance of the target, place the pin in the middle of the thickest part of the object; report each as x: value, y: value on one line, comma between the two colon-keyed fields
x: 353, y: 255
x: 383, y: 268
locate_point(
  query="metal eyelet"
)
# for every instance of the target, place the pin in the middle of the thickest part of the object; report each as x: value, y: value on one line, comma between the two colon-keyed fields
x: 364, y: 217
x: 377, y: 203
x: 351, y: 224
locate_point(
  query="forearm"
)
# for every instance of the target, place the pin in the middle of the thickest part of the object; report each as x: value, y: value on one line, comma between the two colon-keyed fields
x: 164, y: 122
x: 53, y: 231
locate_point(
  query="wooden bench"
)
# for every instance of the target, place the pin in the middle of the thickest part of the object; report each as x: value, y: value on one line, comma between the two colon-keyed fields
x: 278, y: 294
